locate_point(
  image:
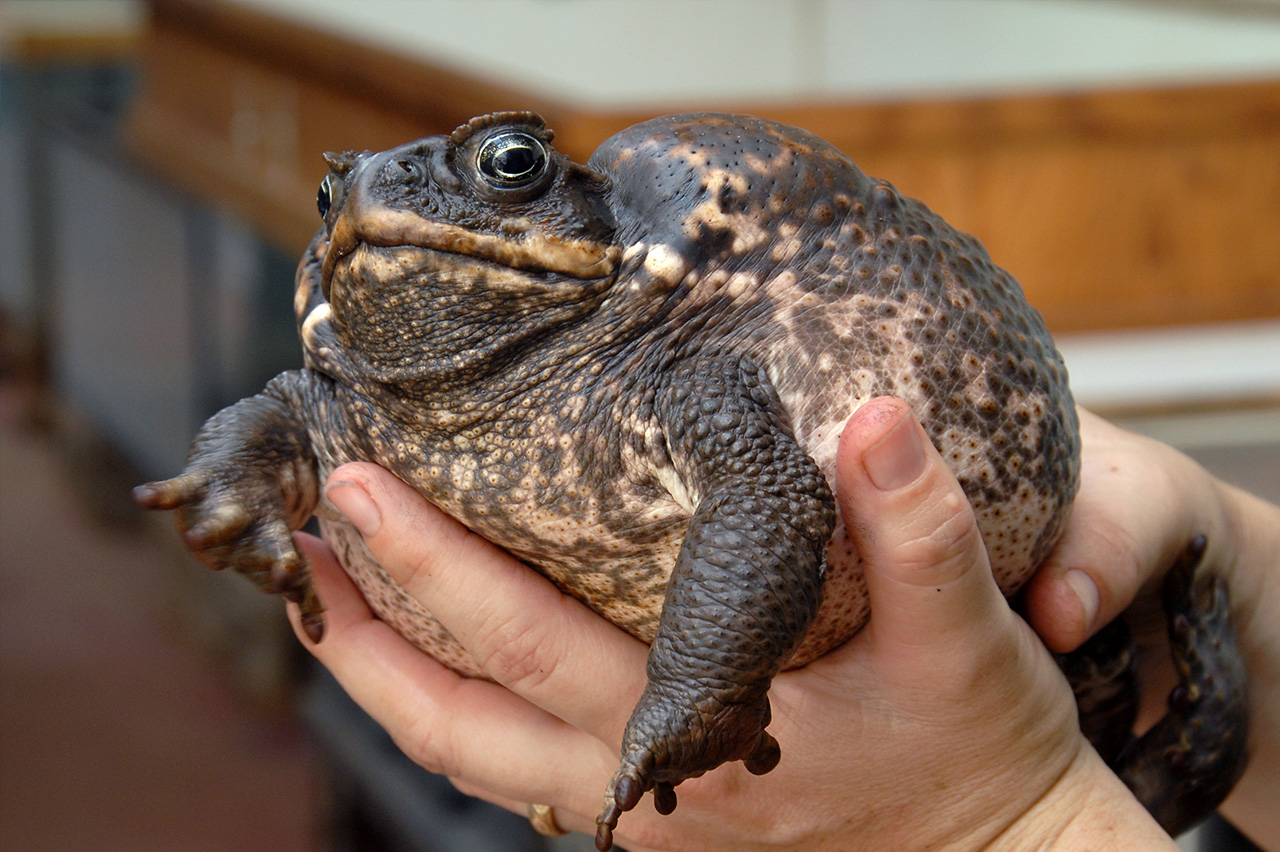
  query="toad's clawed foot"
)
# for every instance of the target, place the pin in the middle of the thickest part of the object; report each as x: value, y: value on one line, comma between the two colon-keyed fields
x: 1189, y: 761
x: 238, y: 525
x: 666, y: 744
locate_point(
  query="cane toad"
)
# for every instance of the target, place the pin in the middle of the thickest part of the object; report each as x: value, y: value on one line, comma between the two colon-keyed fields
x: 632, y: 374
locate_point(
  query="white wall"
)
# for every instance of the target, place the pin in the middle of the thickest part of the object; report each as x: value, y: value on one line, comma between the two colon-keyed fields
x: 636, y: 52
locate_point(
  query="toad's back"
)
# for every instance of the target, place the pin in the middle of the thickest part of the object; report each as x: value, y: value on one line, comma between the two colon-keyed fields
x: 846, y: 290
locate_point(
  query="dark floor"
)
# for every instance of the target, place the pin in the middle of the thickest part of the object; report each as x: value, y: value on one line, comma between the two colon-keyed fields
x: 114, y: 733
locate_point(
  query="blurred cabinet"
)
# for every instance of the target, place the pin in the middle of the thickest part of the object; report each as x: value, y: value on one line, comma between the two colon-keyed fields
x: 165, y: 310
x: 143, y: 309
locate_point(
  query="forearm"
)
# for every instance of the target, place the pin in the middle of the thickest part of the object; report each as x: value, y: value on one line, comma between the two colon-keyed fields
x: 1252, y: 527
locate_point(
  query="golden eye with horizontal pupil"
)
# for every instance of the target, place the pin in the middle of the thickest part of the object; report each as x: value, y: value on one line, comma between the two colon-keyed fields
x: 511, y: 159
x: 329, y: 196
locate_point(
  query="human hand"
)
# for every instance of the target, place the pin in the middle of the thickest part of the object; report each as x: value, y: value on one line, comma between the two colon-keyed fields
x: 1139, y: 504
x: 944, y: 724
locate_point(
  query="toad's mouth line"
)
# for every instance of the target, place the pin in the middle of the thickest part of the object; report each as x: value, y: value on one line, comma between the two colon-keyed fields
x: 530, y: 251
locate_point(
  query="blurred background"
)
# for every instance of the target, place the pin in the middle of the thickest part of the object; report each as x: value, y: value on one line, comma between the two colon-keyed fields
x: 161, y: 160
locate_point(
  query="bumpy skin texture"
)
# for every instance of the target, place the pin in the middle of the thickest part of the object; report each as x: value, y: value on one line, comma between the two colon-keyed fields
x: 632, y: 374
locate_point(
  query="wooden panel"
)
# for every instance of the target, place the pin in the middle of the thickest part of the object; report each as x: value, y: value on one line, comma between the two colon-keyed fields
x: 1111, y: 234
x: 243, y: 134
x: 1114, y: 209
x: 40, y: 48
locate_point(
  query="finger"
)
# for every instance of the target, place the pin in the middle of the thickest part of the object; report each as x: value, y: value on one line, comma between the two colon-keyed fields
x: 525, y: 634
x: 927, y: 571
x: 469, y: 729
x: 1093, y: 573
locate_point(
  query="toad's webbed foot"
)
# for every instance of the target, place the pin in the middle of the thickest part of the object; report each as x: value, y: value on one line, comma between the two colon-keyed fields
x: 1184, y: 767
x: 1187, y: 763
x: 666, y: 743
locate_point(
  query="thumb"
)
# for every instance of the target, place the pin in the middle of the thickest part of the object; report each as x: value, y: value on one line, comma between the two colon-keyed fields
x: 928, y: 576
x: 415, y: 542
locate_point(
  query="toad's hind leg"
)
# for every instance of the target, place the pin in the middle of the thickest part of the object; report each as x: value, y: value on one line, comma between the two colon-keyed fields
x: 743, y: 591
x: 1187, y: 763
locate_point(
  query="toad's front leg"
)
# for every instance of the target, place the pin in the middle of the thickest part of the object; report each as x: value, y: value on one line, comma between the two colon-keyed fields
x: 745, y: 587
x: 251, y: 480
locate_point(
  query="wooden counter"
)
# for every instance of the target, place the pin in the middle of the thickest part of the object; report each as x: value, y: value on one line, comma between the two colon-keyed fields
x: 1114, y: 208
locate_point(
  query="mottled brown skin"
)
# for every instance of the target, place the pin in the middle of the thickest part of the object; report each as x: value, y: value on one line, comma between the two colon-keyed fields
x: 632, y: 374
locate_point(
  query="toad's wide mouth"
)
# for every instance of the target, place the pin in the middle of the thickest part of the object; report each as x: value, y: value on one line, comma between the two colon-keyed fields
x: 530, y: 251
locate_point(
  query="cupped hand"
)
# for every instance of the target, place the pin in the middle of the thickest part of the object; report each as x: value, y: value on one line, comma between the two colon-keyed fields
x: 1140, y: 503
x: 942, y: 725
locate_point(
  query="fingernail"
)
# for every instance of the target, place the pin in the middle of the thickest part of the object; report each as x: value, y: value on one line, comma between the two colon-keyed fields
x: 356, y: 504
x: 1087, y: 591
x: 898, y: 458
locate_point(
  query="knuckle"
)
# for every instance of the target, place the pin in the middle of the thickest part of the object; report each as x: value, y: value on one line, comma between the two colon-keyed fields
x: 410, y: 570
x: 947, y: 543
x: 517, y: 654
x: 428, y: 744
x: 957, y: 532
x: 415, y: 559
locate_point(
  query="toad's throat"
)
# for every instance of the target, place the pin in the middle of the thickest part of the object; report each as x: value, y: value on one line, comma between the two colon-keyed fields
x: 530, y: 250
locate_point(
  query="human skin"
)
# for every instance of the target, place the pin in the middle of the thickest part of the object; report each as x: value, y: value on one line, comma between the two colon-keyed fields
x: 1140, y: 502
x: 944, y: 724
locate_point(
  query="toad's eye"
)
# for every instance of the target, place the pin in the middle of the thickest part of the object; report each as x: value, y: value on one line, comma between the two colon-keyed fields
x: 329, y: 196
x: 511, y: 159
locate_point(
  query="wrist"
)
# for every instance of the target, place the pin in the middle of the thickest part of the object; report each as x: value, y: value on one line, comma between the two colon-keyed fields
x: 1253, y: 576
x: 1087, y: 808
x: 1251, y: 565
